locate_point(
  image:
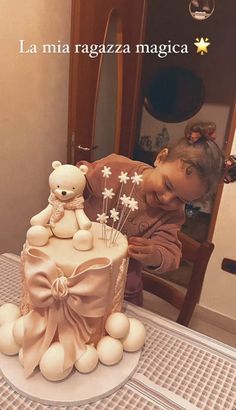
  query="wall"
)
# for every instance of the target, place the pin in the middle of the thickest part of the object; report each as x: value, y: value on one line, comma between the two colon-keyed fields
x: 219, y: 288
x: 33, y: 117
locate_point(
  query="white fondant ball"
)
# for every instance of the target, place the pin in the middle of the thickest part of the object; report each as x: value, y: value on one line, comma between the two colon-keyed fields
x: 8, y: 345
x: 37, y: 235
x: 88, y: 361
x: 20, y: 357
x: 83, y: 240
x: 136, y: 336
x: 18, y: 331
x: 110, y: 351
x: 9, y: 313
x: 117, y: 325
x: 51, y: 364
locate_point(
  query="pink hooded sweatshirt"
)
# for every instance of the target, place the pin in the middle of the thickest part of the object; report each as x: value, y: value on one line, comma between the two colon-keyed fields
x: 155, y: 223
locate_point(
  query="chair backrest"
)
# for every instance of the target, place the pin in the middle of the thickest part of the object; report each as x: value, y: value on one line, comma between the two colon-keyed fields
x: 195, y: 253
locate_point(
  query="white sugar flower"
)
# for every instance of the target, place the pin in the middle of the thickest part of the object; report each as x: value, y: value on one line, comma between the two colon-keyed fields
x: 106, y: 171
x: 136, y: 179
x: 114, y: 214
x: 133, y: 205
x: 102, y: 218
x: 123, y: 177
x: 108, y: 193
x: 125, y: 200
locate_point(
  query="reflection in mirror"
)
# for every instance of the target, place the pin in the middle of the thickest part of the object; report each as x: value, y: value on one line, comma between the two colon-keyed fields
x: 201, y: 9
x: 107, y: 121
x: 154, y: 133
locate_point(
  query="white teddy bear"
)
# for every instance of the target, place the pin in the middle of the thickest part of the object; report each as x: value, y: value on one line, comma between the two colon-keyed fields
x: 64, y: 216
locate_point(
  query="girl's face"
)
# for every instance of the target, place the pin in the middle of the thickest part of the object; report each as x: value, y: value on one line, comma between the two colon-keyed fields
x: 168, y: 186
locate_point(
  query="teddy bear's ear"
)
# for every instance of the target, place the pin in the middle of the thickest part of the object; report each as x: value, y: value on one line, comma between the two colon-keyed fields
x: 83, y: 169
x: 56, y: 164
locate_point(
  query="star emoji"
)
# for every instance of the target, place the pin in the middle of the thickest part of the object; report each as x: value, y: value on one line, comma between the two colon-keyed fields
x: 202, y: 45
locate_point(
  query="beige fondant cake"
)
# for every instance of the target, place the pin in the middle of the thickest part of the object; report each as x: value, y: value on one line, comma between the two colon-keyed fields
x: 88, y: 285
x: 73, y: 281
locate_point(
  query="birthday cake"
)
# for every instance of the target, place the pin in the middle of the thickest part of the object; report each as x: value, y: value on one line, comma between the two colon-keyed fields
x: 73, y: 280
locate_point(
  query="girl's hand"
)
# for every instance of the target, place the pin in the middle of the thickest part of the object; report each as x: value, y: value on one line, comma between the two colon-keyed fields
x: 144, y: 250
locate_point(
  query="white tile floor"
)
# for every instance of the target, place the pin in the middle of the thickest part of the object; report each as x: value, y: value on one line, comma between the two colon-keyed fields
x: 157, y: 305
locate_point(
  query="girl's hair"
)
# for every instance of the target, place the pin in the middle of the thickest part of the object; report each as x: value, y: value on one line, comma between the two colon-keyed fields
x: 199, y: 151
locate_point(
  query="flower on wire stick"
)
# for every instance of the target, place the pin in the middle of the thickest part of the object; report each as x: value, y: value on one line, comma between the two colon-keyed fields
x: 136, y: 178
x: 106, y: 171
x: 108, y: 193
x: 129, y: 204
x: 114, y: 214
x: 133, y: 205
x: 125, y: 200
x: 102, y: 218
x: 123, y: 177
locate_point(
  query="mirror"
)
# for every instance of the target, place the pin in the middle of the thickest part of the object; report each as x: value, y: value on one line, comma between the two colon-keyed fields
x: 108, y: 96
x: 174, y: 95
x: 192, y: 87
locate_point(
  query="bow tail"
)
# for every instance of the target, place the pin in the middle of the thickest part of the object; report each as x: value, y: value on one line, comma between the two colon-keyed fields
x: 40, y: 326
x: 74, y: 331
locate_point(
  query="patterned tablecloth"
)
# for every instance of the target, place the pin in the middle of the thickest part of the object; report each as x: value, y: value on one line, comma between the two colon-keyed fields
x: 178, y: 369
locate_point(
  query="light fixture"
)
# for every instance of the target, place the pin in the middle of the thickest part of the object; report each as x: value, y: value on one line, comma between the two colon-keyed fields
x: 201, y: 9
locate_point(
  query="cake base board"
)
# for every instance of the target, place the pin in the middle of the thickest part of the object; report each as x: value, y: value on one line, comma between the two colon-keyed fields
x: 77, y: 388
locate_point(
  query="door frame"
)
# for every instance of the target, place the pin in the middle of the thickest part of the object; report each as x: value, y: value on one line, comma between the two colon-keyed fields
x: 130, y: 73
x: 230, y: 132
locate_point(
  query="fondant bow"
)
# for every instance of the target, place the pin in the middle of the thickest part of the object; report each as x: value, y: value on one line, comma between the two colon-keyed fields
x: 68, y: 309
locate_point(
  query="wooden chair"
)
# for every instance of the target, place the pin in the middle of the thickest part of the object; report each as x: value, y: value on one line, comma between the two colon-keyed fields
x: 197, y: 255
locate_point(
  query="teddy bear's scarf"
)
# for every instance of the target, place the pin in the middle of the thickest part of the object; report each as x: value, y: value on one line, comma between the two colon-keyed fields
x: 59, y: 206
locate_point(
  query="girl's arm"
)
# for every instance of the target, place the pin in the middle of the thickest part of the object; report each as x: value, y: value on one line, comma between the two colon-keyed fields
x: 145, y: 251
x: 162, y: 251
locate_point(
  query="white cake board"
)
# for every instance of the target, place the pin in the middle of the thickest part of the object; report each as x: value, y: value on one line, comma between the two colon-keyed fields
x: 76, y: 389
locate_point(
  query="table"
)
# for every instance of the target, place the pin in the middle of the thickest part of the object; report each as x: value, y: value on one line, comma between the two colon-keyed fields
x: 178, y: 369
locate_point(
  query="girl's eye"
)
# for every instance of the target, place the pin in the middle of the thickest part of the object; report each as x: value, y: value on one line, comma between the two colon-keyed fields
x: 168, y: 187
x: 73, y: 187
x: 58, y: 186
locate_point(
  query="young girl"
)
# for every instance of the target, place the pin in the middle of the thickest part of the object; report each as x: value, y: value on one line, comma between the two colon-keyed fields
x: 182, y: 173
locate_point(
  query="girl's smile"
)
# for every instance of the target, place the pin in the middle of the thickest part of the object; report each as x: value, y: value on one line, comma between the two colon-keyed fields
x: 169, y: 186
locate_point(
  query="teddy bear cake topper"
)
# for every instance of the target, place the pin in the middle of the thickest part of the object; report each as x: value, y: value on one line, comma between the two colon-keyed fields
x: 64, y: 216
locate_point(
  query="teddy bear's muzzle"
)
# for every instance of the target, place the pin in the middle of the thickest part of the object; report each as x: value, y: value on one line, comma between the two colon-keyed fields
x: 64, y: 194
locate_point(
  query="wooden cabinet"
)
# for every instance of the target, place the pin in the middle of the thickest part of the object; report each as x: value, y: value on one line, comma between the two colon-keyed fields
x: 95, y: 25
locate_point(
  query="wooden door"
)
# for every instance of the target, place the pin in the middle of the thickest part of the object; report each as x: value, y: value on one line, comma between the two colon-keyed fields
x: 91, y: 25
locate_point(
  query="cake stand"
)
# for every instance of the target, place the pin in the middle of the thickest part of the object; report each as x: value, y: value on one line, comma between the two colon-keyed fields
x: 76, y: 389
